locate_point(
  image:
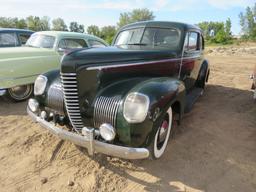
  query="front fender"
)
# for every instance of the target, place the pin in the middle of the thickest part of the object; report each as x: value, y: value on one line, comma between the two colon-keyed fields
x: 21, y: 70
x: 52, y: 77
x: 162, y: 93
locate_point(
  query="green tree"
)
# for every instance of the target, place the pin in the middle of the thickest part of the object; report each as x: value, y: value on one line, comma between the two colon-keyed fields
x: 107, y: 33
x: 135, y: 16
x: 228, y: 26
x: 75, y: 27
x: 204, y: 26
x: 207, y: 27
x: 3, y: 22
x: 222, y: 32
x: 248, y: 22
x: 33, y: 23
x: 45, y: 23
x: 93, y: 30
x: 21, y: 24
x: 59, y: 25
x: 221, y: 37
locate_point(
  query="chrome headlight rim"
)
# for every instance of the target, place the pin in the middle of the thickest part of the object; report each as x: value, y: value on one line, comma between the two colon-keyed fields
x: 127, y: 118
x: 40, y: 90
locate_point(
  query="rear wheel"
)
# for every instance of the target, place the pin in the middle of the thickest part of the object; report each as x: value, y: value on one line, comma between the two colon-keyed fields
x: 162, y: 135
x: 202, y: 78
x: 20, y: 93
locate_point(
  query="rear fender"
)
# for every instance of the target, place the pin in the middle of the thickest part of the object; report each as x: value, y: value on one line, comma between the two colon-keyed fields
x: 204, y: 71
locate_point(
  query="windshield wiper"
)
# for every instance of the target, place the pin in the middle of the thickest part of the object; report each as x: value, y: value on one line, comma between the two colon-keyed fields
x: 141, y: 44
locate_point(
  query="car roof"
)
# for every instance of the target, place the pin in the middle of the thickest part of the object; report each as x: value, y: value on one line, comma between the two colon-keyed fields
x: 161, y: 24
x: 70, y: 34
x: 15, y: 30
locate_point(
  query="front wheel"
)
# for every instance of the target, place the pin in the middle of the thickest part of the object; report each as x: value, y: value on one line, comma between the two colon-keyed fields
x: 162, y: 135
x: 20, y: 93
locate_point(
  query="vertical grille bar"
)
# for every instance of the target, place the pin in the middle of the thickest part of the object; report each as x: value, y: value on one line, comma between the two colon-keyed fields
x: 69, y: 85
x: 105, y: 110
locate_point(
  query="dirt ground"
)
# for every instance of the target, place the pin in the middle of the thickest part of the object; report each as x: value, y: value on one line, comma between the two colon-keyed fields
x: 213, y: 150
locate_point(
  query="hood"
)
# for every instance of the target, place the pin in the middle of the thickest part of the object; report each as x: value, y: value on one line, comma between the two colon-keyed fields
x: 112, y: 55
x: 16, y: 52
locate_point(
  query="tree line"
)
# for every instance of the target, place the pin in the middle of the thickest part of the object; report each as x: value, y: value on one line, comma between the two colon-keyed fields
x: 107, y: 32
x: 215, y: 32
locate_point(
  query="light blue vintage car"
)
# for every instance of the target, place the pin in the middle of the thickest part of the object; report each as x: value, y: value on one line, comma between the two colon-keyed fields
x: 19, y: 66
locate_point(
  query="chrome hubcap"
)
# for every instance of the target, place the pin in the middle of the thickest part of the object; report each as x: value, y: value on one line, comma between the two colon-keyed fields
x: 20, y: 92
x: 162, y: 133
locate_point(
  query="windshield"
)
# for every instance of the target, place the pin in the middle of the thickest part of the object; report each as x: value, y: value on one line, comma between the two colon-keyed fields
x: 42, y: 41
x: 155, y: 38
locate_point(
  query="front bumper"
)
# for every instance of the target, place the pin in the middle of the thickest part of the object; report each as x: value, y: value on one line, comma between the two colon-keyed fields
x: 87, y: 141
x: 2, y: 92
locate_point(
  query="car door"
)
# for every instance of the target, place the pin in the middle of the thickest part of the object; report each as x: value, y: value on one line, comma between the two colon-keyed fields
x: 192, y: 58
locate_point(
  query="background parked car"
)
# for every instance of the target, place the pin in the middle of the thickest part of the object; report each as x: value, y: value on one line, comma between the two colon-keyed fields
x: 14, y: 37
x: 20, y: 66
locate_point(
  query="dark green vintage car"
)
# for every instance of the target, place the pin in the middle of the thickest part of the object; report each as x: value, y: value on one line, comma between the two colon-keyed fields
x: 124, y: 100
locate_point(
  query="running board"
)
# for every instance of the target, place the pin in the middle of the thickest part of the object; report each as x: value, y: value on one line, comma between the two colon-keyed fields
x: 192, y: 97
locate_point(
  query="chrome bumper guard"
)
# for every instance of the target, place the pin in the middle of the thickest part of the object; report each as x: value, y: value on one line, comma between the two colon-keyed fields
x: 2, y: 92
x: 87, y: 140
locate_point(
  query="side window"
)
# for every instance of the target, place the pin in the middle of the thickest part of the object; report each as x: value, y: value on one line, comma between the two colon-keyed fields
x: 62, y: 44
x: 8, y: 39
x: 193, y: 41
x: 72, y: 43
x: 23, y: 38
x: 95, y: 43
x: 162, y: 37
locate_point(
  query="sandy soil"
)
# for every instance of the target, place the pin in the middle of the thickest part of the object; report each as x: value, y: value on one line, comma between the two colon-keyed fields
x: 213, y: 149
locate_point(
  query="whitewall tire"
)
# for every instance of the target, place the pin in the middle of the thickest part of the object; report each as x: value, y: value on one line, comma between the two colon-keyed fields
x: 162, y: 135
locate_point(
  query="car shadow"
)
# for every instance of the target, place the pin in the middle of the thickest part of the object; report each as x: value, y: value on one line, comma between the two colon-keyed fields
x: 205, y: 153
x: 11, y: 108
x: 200, y: 155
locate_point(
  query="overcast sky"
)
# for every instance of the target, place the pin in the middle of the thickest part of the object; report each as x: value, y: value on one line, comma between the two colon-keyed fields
x: 106, y: 12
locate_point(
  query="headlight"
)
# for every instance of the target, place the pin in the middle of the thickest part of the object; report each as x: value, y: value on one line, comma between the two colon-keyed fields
x: 107, y: 131
x: 33, y: 105
x: 136, y: 107
x: 40, y: 85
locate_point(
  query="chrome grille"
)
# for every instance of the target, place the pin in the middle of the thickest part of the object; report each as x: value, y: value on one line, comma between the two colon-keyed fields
x: 105, y: 110
x: 69, y: 85
x: 55, y: 98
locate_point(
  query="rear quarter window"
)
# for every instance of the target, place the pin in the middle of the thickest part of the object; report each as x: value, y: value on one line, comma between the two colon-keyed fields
x: 23, y: 38
x: 70, y: 43
x: 8, y: 39
x: 95, y: 43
